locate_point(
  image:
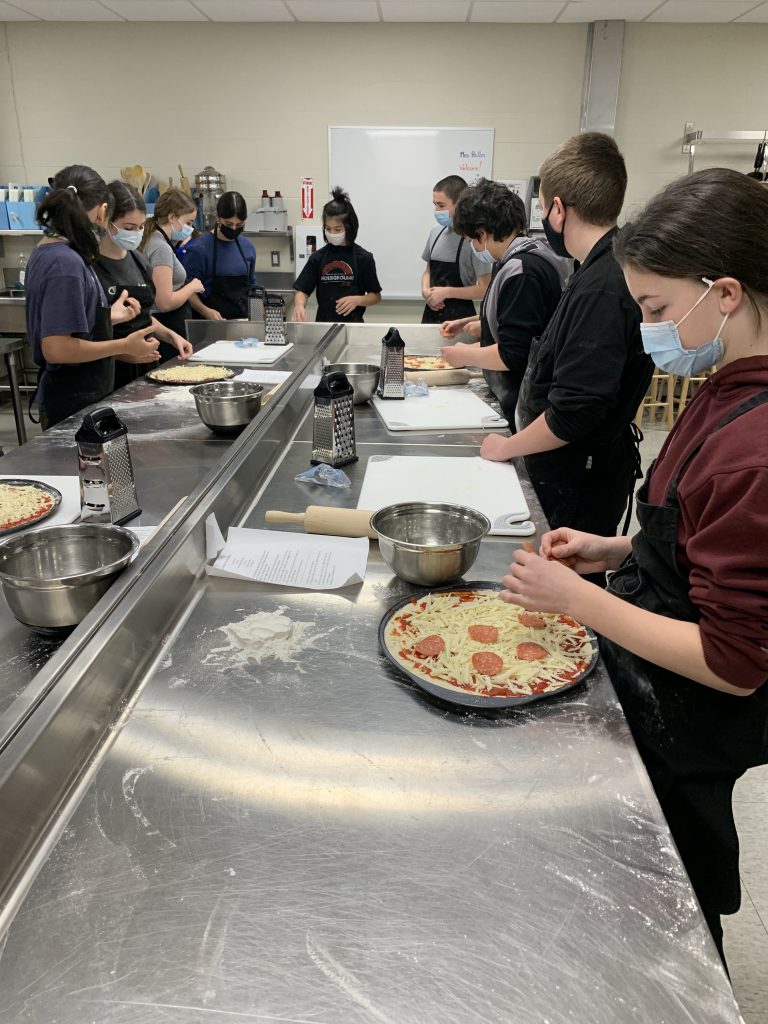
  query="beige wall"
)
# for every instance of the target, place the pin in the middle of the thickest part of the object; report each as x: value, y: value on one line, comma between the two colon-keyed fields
x: 255, y: 100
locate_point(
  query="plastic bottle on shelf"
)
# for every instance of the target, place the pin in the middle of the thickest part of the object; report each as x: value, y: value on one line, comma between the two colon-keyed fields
x: 21, y: 269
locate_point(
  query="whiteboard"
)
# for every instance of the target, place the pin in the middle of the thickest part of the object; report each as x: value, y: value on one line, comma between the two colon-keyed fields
x: 389, y: 173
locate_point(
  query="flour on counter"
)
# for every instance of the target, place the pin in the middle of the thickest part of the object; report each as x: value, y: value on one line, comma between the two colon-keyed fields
x: 265, y: 635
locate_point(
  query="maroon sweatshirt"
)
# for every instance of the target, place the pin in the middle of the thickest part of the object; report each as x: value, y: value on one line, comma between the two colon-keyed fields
x: 722, y: 539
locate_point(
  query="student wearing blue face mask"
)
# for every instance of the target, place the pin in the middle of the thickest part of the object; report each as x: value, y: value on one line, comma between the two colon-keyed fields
x: 683, y: 623
x: 455, y: 275
x: 122, y: 269
x: 170, y: 226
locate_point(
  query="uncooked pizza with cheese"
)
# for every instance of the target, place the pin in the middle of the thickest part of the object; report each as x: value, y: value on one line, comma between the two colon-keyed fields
x: 426, y: 363
x: 23, y: 502
x: 471, y: 640
x: 197, y: 374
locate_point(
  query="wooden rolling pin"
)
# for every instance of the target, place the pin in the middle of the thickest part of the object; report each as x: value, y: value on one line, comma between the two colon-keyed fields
x: 338, y: 522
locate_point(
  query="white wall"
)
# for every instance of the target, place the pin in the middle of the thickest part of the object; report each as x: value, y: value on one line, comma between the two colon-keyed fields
x: 255, y: 100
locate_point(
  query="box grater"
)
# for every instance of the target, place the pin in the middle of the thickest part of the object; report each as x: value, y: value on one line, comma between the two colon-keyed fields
x: 256, y: 303
x: 392, y: 370
x: 333, y: 425
x: 107, y: 485
x: 268, y: 307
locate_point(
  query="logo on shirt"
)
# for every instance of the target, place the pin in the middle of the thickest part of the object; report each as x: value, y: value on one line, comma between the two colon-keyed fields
x: 337, y: 272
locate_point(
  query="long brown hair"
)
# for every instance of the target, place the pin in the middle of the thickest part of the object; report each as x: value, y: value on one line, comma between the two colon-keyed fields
x: 713, y: 223
x: 172, y: 203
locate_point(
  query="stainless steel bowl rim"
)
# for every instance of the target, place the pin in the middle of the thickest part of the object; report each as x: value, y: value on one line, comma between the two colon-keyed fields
x: 352, y: 368
x: 77, y: 579
x: 252, y: 390
x: 404, y: 508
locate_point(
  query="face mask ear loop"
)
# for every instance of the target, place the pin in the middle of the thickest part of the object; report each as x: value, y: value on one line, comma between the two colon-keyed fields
x: 710, y: 285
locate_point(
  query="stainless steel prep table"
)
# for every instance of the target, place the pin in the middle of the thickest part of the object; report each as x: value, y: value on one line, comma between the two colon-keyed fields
x: 320, y: 842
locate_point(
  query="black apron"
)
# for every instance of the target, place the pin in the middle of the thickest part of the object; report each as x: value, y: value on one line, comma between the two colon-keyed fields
x: 173, y: 319
x: 329, y: 292
x: 695, y: 741
x: 505, y: 384
x: 443, y: 274
x: 229, y: 295
x: 141, y: 289
x: 71, y: 387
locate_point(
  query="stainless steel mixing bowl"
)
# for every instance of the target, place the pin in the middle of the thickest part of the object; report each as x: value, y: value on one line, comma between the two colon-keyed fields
x: 364, y: 378
x: 227, y: 406
x: 428, y: 543
x: 52, y: 577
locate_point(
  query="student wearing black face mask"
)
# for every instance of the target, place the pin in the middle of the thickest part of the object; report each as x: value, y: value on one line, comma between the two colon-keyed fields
x: 224, y: 261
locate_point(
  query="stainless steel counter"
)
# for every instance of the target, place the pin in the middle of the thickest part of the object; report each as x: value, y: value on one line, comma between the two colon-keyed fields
x: 318, y: 841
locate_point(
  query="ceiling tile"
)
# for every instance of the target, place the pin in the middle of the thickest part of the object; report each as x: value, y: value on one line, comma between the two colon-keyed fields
x: 68, y: 10
x: 154, y: 10
x: 758, y: 14
x: 334, y: 10
x: 424, y: 10
x: 607, y: 10
x: 8, y: 13
x: 702, y: 10
x: 516, y: 10
x: 245, y: 10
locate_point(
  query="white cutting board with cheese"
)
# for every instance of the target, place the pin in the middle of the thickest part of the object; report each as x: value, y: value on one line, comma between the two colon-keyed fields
x: 492, y: 488
x: 442, y: 409
x: 69, y: 488
x: 228, y: 352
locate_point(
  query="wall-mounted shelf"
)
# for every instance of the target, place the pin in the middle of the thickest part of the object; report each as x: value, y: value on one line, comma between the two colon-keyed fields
x: 273, y: 234
x: 10, y: 232
x: 694, y: 137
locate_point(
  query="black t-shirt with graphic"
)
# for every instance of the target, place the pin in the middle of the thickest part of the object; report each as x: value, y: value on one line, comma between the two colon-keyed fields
x: 336, y: 271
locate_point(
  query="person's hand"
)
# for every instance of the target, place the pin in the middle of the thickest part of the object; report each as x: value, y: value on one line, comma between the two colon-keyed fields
x: 142, y: 346
x: 299, y: 314
x: 439, y: 294
x: 124, y: 308
x: 433, y: 300
x: 495, y: 447
x: 450, y: 328
x: 543, y: 586
x: 583, y: 552
x: 183, y: 347
x: 474, y: 329
x: 197, y: 285
x: 212, y: 314
x: 346, y: 305
x: 456, y: 355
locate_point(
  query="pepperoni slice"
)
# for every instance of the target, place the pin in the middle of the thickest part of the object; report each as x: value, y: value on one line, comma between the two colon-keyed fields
x: 534, y: 620
x: 487, y: 663
x: 531, y: 652
x: 430, y: 646
x: 484, y: 634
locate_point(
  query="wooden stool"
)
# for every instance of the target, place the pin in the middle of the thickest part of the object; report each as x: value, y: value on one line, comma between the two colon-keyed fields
x: 688, y: 387
x: 660, y: 395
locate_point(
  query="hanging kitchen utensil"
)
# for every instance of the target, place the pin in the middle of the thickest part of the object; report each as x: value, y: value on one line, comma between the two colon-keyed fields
x: 184, y: 180
x: 758, y: 173
x: 145, y: 183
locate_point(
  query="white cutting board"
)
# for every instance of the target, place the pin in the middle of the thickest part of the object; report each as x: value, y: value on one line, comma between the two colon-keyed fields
x: 69, y: 509
x: 489, y: 487
x: 442, y: 409
x: 228, y: 352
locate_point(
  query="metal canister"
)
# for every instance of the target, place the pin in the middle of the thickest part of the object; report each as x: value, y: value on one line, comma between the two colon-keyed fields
x: 107, y: 483
x: 392, y: 369
x: 333, y: 424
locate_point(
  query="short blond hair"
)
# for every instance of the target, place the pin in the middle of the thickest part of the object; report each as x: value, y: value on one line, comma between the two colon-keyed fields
x: 588, y: 173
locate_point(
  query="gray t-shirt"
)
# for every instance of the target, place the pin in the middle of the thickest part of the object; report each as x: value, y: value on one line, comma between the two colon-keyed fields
x: 446, y: 243
x: 159, y: 254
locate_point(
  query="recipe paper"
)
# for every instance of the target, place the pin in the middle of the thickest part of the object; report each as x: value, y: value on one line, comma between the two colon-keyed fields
x: 306, y: 561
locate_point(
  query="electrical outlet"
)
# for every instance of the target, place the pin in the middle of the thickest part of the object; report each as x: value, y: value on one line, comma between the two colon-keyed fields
x: 275, y: 258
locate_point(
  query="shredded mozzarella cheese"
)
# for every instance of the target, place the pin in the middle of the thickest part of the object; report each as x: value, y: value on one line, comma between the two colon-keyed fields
x: 191, y: 374
x: 19, y: 503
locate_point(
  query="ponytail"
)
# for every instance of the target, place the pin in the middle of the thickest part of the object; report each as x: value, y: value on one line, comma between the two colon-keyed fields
x: 64, y: 211
x: 172, y: 203
x: 340, y: 206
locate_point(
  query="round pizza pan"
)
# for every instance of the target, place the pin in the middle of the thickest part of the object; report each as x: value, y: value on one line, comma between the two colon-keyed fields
x: 463, y: 697
x: 38, y: 485
x: 234, y: 371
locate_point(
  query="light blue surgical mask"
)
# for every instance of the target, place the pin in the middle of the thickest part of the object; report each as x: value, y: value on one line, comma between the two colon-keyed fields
x: 662, y: 343
x: 183, y: 233
x: 483, y: 255
x: 127, y: 240
x: 443, y: 218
